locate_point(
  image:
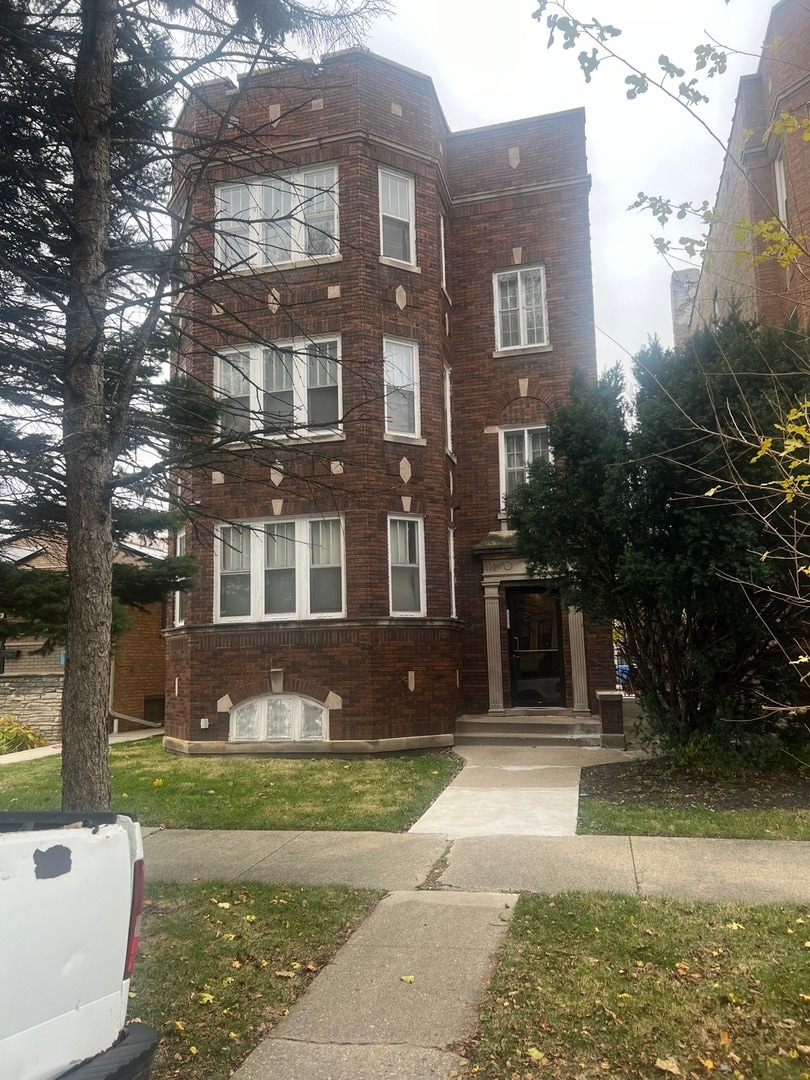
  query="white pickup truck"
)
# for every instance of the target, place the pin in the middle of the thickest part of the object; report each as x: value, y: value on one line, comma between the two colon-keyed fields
x: 71, y: 894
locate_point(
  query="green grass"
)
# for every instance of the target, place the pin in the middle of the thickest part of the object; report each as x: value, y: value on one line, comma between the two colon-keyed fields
x: 616, y: 987
x: 604, y: 818
x: 219, y: 965
x: 383, y: 794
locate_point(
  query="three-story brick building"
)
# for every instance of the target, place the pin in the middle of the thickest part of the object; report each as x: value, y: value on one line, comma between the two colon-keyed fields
x: 385, y: 310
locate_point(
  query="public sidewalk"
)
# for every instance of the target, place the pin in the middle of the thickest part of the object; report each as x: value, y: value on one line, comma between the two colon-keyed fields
x: 505, y: 825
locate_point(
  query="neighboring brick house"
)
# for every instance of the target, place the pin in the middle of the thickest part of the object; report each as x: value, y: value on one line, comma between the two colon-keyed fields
x: 398, y: 305
x: 31, y: 681
x: 766, y: 175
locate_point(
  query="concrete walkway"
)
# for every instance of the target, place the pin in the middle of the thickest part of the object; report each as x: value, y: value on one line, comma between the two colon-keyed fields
x: 505, y: 825
x: 514, y: 791
x: 56, y: 748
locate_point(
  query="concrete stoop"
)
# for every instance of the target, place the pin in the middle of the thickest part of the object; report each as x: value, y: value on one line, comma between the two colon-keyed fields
x: 530, y: 727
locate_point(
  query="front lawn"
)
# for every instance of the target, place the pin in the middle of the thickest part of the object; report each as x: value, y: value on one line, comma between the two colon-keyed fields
x: 650, y: 798
x: 219, y: 965
x: 617, y: 987
x: 381, y: 794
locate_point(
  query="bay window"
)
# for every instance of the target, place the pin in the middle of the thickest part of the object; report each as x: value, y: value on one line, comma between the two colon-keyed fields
x: 277, y: 219
x: 281, y: 389
x: 280, y: 569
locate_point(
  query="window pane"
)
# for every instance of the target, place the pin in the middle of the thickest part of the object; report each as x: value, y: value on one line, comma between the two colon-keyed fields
x: 319, y: 209
x: 400, y: 411
x: 532, y: 285
x: 322, y: 385
x: 405, y: 589
x: 247, y: 721
x: 326, y: 570
x: 234, y: 387
x: 279, y: 573
x: 400, y: 396
x: 279, y: 718
x: 235, y: 540
x: 233, y: 224
x: 514, y: 442
x: 325, y: 589
x: 234, y: 578
x: 313, y: 721
x: 277, y: 223
x: 395, y: 195
x: 180, y: 597
x: 279, y: 401
x: 234, y: 595
x: 405, y: 571
x: 538, y: 444
x: 396, y: 239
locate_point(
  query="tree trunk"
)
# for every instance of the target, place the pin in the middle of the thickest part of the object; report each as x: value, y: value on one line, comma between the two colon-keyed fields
x: 85, y: 770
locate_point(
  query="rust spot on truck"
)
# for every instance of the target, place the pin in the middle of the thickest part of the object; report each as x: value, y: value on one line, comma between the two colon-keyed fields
x: 52, y: 862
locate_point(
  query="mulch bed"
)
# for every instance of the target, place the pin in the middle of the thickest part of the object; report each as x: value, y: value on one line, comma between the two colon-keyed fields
x: 652, y: 783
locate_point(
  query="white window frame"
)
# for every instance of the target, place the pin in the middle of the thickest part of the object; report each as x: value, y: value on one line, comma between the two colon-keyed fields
x: 297, y: 703
x: 419, y: 525
x: 448, y: 408
x: 451, y: 565
x: 257, y: 215
x: 442, y: 254
x: 520, y: 272
x: 180, y: 596
x: 256, y: 389
x: 411, y: 219
x: 303, y: 565
x: 394, y: 385
x: 781, y: 189
x: 525, y: 429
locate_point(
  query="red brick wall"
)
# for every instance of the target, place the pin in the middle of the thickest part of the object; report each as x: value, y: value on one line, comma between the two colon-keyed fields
x: 490, y: 208
x: 765, y: 290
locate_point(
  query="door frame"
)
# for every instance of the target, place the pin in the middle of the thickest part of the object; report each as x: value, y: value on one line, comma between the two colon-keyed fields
x: 511, y: 592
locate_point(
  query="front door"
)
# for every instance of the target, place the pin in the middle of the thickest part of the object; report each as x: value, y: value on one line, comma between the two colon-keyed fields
x: 536, y: 666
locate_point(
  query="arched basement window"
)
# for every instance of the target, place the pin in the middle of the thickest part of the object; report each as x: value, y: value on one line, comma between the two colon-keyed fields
x: 279, y: 717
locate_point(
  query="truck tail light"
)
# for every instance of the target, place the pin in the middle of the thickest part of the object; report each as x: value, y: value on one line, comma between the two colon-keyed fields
x: 134, y: 917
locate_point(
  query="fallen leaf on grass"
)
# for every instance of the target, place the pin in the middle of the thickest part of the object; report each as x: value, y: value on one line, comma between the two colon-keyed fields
x: 285, y: 974
x: 668, y: 1065
x: 535, y: 1054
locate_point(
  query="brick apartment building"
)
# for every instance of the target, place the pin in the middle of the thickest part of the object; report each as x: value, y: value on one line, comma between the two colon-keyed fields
x: 766, y: 175
x: 386, y: 311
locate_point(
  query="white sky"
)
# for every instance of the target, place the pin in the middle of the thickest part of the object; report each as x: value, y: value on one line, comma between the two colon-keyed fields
x: 490, y: 64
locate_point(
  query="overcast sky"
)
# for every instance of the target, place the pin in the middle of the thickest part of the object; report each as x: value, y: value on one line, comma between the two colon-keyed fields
x: 490, y: 64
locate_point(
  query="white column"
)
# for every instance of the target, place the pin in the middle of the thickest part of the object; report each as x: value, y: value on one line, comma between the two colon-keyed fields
x: 579, y: 669
x: 492, y: 615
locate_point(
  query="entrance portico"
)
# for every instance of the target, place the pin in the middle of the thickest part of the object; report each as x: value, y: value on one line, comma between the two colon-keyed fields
x: 539, y: 675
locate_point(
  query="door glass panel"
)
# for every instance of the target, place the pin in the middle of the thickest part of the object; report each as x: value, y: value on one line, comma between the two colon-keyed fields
x: 535, y: 647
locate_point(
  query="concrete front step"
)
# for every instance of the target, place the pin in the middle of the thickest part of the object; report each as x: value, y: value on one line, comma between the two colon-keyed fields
x: 511, y: 739
x: 522, y: 728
